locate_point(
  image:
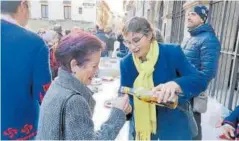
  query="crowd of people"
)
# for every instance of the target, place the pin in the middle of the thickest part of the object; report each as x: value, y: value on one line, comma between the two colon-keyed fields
x: 113, y: 42
x: 45, y: 77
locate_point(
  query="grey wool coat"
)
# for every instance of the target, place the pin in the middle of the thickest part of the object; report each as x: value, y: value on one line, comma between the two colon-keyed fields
x: 78, y: 124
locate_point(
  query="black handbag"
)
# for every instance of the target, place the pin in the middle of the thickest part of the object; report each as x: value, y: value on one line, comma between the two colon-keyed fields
x: 62, y: 117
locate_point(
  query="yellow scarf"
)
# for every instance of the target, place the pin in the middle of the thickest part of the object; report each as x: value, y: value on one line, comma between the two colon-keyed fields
x: 145, y: 113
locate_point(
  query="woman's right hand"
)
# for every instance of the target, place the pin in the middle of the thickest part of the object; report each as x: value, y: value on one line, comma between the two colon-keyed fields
x: 122, y: 103
x: 166, y: 92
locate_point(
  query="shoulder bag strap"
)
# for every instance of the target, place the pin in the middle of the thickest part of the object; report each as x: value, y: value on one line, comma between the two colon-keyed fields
x: 62, y: 117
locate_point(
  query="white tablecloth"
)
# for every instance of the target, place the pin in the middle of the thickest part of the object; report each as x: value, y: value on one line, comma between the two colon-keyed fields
x: 109, y: 67
x: 108, y: 90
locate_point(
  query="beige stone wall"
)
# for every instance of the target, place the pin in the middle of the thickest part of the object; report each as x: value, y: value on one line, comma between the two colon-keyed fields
x: 130, y: 9
x: 167, y: 20
x: 150, y: 9
x: 103, y: 14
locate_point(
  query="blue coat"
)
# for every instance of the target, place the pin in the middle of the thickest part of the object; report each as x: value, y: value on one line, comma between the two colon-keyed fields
x: 171, y: 124
x: 233, y: 118
x: 202, y: 50
x: 25, y: 79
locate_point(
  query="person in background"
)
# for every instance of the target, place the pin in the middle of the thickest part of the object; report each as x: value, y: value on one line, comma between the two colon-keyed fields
x: 79, y: 55
x: 202, y: 50
x: 159, y: 37
x: 76, y: 29
x: 102, y: 36
x: 67, y: 32
x: 58, y: 29
x: 123, y: 50
x: 111, y: 39
x: 51, y: 38
x: 153, y: 66
x: 25, y: 73
x: 96, y: 28
x: 92, y: 31
x: 41, y: 31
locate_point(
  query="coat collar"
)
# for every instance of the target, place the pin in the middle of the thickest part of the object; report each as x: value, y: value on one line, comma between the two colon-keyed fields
x: 200, y: 29
x: 68, y: 81
x: 9, y: 19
